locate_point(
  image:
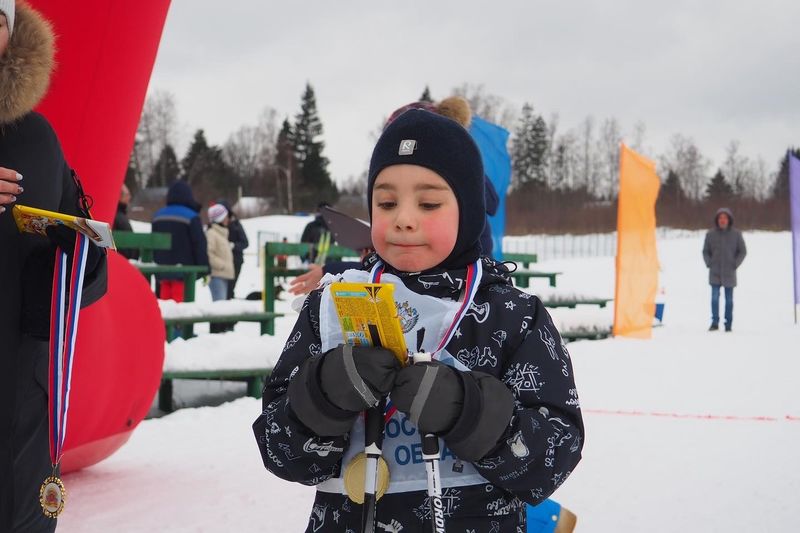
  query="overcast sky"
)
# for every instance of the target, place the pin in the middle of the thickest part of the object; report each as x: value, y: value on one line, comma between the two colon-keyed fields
x: 714, y: 71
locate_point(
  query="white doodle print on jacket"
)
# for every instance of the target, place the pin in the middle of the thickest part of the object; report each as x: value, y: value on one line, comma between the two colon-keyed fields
x: 392, y: 527
x: 476, y: 357
x: 523, y: 377
x: 518, y: 446
x: 480, y: 312
x: 499, y: 337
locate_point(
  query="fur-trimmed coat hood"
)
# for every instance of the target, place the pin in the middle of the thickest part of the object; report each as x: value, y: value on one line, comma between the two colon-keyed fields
x: 26, y: 66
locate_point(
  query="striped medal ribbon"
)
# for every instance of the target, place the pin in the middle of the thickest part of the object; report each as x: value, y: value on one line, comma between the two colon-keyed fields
x: 64, y: 312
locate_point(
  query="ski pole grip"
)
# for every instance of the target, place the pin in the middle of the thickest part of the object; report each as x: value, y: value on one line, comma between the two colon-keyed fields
x: 421, y: 357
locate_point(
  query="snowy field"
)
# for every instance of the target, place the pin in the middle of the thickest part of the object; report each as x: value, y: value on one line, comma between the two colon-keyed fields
x: 689, y: 431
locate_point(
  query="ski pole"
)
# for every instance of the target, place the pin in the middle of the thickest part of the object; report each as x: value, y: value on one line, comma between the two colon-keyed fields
x: 430, y: 454
x: 373, y: 440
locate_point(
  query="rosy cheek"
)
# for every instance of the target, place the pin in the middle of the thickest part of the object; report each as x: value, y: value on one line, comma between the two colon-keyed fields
x: 440, y: 235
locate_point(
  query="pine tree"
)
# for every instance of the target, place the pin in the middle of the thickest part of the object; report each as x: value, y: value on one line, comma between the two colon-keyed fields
x: 426, y: 95
x: 718, y: 189
x: 166, y: 169
x: 671, y: 191
x: 198, y: 150
x: 205, y: 169
x: 528, y: 150
x: 314, y: 183
x: 781, y: 187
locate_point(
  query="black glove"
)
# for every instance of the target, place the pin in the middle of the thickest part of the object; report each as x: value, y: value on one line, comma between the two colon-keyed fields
x: 469, y: 410
x: 354, y: 378
x: 431, y: 394
x: 329, y: 390
x: 64, y: 237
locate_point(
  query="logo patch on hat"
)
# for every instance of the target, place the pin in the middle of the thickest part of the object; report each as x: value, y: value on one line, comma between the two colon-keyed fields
x: 407, y: 147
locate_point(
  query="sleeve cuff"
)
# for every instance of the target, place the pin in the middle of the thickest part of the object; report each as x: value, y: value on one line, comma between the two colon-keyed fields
x: 488, y: 406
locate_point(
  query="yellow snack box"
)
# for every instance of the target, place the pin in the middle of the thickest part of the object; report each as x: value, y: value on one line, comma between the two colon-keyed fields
x: 368, y: 316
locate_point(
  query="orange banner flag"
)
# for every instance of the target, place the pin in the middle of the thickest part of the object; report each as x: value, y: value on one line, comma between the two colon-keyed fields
x: 637, y: 257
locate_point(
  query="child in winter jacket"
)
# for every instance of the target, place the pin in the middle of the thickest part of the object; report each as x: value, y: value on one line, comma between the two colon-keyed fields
x: 499, y: 392
x: 220, y: 252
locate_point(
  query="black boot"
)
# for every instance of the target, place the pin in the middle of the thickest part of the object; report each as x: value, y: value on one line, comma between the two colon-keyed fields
x: 714, y: 327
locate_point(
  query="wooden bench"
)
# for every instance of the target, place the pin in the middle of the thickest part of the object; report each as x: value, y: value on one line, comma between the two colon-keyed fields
x: 146, y: 243
x: 522, y: 277
x: 571, y: 304
x: 585, y: 335
x: 272, y: 270
x: 265, y: 318
x: 525, y: 260
x: 254, y: 377
x: 189, y: 273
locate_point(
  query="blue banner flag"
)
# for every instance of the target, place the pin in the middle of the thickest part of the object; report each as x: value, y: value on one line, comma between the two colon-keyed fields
x: 492, y: 140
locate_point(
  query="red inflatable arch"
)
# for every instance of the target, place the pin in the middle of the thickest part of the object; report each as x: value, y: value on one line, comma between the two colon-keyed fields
x: 105, y: 55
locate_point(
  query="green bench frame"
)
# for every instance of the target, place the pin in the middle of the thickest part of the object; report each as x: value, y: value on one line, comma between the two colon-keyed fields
x: 585, y: 335
x: 571, y: 304
x: 266, y: 319
x: 254, y: 377
x: 290, y: 249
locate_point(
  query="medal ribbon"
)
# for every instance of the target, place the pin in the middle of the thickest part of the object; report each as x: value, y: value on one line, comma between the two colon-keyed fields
x: 473, y: 281
x: 64, y: 312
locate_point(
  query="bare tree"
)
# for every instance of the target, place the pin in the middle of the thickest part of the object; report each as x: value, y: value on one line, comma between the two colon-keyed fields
x: 250, y: 151
x: 158, y: 127
x: 692, y: 168
x: 588, y: 169
x: 608, y: 143
x: 566, y: 161
x: 489, y: 107
x: 638, y: 136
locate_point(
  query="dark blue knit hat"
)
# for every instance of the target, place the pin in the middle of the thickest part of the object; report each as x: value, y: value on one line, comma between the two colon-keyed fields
x: 419, y: 137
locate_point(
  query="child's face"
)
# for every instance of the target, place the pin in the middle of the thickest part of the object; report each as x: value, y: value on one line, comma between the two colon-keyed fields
x: 414, y: 217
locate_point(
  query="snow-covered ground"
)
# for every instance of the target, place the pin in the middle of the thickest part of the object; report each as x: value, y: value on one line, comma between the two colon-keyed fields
x: 689, y: 431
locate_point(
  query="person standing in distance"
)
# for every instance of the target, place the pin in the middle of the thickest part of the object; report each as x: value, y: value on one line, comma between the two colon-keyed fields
x: 723, y: 251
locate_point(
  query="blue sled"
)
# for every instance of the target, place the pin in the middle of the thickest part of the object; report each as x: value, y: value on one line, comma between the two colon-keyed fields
x: 543, y: 518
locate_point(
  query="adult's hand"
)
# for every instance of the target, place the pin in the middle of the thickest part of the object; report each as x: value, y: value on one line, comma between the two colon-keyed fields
x: 305, y: 283
x: 9, y: 186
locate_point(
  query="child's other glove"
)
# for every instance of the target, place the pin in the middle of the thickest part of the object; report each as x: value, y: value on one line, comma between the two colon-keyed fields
x: 329, y: 390
x: 469, y: 410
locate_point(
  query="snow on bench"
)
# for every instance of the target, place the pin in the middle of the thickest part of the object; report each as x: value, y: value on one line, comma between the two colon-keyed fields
x: 173, y: 310
x: 222, y: 351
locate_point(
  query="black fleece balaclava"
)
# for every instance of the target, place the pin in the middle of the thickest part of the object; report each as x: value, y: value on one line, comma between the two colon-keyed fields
x: 419, y: 137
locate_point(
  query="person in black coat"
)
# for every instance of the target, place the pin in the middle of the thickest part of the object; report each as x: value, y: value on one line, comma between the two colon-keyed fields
x: 238, y: 238
x: 181, y: 219
x: 30, y: 151
x: 121, y: 222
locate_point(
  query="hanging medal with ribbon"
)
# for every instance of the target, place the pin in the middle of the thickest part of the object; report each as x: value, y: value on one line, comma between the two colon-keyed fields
x: 64, y: 313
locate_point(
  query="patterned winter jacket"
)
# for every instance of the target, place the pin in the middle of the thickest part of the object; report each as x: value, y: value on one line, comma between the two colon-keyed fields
x: 506, y: 333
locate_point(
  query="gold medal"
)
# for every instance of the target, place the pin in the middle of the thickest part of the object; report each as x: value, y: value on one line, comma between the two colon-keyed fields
x: 53, y: 495
x: 354, y: 478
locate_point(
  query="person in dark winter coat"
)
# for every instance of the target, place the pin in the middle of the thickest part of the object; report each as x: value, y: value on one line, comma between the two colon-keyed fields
x: 121, y: 222
x: 238, y: 237
x: 30, y: 157
x: 499, y: 393
x: 313, y: 232
x: 181, y: 219
x: 723, y: 251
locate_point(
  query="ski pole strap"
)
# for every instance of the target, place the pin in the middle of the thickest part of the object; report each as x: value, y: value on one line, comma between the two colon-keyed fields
x: 64, y: 313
